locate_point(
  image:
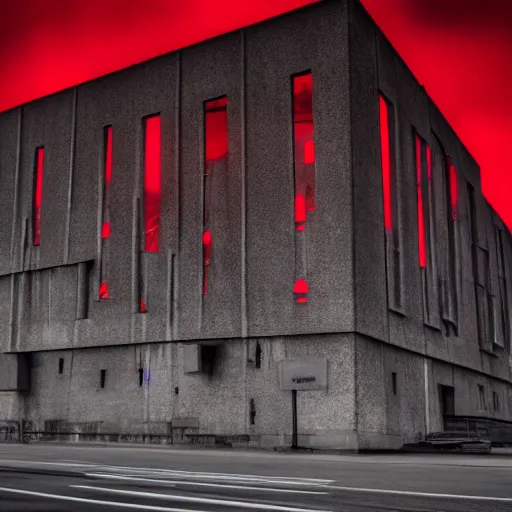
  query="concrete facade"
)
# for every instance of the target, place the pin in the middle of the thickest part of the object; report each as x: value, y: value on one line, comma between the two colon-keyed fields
x: 197, y: 353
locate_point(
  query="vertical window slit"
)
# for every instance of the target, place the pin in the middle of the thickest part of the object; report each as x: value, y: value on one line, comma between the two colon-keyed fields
x: 304, y: 173
x: 450, y: 291
x: 61, y: 365
x: 105, y: 218
x: 103, y: 378
x: 421, y: 218
x: 38, y: 195
x: 84, y: 275
x: 215, y: 157
x: 390, y: 201
x: 385, y: 161
x: 152, y: 183
x: 304, y: 147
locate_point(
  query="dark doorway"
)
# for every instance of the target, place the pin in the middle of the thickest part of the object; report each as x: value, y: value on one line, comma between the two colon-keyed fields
x: 447, y: 397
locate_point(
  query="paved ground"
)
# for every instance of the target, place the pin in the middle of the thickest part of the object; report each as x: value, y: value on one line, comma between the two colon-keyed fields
x: 72, y: 478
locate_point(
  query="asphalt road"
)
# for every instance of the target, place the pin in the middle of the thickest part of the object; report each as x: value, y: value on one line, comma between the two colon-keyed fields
x: 75, y: 478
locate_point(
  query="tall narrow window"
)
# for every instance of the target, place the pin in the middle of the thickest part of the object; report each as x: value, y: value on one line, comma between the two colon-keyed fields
x: 449, y: 280
x: 38, y: 195
x: 152, y: 184
x: 420, y: 185
x: 105, y: 217
x: 304, y: 175
x: 481, y: 279
x: 504, y: 338
x: 304, y: 148
x: 426, y: 226
x: 215, y: 160
x: 390, y: 201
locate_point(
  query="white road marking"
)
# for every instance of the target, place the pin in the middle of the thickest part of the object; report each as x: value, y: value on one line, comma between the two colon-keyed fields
x: 47, y: 463
x: 218, y: 476
x: 207, y: 501
x: 422, y: 494
x: 95, y: 502
x: 200, y: 484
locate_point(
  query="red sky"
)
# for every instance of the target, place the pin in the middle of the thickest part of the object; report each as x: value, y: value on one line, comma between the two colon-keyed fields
x: 461, y: 50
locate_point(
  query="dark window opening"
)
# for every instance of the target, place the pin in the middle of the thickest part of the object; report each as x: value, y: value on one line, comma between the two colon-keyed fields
x: 141, y: 304
x: 176, y: 390
x: 152, y: 182
x: 496, y: 401
x: 482, y: 279
x: 83, y: 291
x: 215, y: 161
x: 252, y: 412
x: 105, y: 216
x: 503, y: 290
x: 447, y: 397
x: 258, y: 356
x: 393, y: 381
x: 303, y: 148
x: 390, y: 200
x: 208, y: 358
x: 61, y: 365
x: 38, y: 195
x: 481, y: 398
x: 141, y: 377
x: 103, y: 376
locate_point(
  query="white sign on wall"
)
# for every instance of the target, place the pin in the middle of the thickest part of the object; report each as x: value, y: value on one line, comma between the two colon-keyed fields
x: 303, y: 375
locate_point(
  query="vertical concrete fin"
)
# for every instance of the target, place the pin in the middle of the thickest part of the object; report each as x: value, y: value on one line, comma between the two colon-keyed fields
x: 243, y: 201
x: 170, y: 296
x: 16, y: 186
x: 70, y: 175
x: 177, y: 165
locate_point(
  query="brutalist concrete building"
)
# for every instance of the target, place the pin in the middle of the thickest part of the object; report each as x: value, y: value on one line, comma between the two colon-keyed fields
x: 184, y: 242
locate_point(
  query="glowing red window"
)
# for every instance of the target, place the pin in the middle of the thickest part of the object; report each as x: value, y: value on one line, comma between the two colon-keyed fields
x: 105, y: 217
x: 216, y: 159
x: 304, y: 147
x: 38, y: 195
x: 152, y: 183
x: 385, y: 151
x: 453, y: 189
x: 422, y: 249
x: 300, y: 290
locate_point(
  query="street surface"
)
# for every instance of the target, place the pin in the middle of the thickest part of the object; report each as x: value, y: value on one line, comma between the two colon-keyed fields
x: 58, y: 478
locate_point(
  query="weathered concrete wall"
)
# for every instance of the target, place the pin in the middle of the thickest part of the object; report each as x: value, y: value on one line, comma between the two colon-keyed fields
x: 216, y: 404
x: 376, y: 67
x: 253, y: 270
x: 255, y: 253
x: 386, y: 420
